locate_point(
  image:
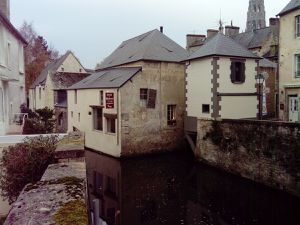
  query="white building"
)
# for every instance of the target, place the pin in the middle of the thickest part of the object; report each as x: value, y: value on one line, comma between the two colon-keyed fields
x: 220, y: 81
x: 12, y: 71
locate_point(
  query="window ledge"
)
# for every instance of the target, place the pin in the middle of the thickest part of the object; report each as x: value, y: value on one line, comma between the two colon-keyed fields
x: 111, y: 134
x: 98, y: 131
x: 238, y: 82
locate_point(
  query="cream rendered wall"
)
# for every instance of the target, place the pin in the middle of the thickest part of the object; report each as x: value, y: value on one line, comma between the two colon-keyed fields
x: 11, y: 76
x: 71, y: 65
x: 198, y: 87
x: 237, y: 107
x: 289, y: 45
x: 97, y: 140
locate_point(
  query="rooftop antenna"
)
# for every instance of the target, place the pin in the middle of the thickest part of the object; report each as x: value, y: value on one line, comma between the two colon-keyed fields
x: 221, y: 23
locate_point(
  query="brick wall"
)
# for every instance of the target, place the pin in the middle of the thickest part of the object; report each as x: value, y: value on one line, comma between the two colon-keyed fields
x: 263, y: 151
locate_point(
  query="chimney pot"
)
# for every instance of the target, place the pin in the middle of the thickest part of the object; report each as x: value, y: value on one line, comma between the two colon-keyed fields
x: 161, y: 28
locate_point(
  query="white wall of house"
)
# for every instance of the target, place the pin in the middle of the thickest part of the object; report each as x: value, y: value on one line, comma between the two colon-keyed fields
x: 289, y: 46
x: 198, y: 87
x: 237, y: 107
x: 71, y: 65
x: 81, y: 116
x: 12, y: 77
x: 46, y: 99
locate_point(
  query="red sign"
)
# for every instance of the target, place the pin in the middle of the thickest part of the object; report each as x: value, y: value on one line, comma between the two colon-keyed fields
x: 109, y: 100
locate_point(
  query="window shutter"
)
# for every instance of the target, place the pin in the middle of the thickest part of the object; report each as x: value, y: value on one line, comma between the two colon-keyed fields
x: 243, y: 72
x: 151, y: 98
x: 233, y: 71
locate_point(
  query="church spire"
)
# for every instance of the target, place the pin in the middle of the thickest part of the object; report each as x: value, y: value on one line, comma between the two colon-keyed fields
x: 256, y: 17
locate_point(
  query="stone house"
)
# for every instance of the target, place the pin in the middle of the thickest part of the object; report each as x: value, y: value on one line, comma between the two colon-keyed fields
x: 12, y: 71
x: 49, y: 89
x: 134, y: 103
x: 220, y: 82
x: 289, y: 61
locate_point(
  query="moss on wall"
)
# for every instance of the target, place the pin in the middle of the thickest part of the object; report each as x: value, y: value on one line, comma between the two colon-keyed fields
x: 72, y: 213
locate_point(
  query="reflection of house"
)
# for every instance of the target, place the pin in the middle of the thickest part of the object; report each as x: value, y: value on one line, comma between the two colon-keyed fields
x: 134, y: 103
x: 174, y: 189
x: 12, y: 80
x: 289, y: 61
x: 49, y: 91
x: 221, y: 81
x: 135, y: 191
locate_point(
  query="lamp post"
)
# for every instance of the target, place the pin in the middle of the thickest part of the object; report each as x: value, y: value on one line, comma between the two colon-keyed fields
x: 260, y: 80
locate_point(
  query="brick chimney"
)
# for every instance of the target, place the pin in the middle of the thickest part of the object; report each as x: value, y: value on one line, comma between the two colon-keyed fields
x: 194, y: 40
x: 231, y: 30
x: 5, y: 8
x: 211, y: 33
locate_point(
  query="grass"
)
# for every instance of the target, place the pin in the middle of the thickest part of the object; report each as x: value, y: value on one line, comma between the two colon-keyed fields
x: 72, y: 213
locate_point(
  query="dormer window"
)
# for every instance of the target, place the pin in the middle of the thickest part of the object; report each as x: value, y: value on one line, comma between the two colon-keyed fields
x: 297, y: 26
x: 237, y: 72
x: 62, y: 69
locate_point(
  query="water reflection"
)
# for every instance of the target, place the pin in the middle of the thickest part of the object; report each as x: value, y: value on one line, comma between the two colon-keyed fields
x: 173, y: 189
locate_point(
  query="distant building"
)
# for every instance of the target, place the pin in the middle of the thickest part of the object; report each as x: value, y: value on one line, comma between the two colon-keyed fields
x: 256, y: 16
x: 48, y: 90
x: 289, y: 61
x: 12, y: 71
x: 134, y: 103
x: 220, y: 81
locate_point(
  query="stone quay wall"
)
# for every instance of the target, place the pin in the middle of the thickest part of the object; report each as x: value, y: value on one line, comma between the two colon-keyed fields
x: 263, y: 151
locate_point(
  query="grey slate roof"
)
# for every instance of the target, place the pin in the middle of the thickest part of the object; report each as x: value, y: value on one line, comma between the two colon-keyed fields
x: 50, y: 68
x: 221, y: 45
x: 292, y: 5
x: 255, y: 38
x: 152, y: 45
x: 108, y: 78
x: 267, y: 63
x: 62, y: 80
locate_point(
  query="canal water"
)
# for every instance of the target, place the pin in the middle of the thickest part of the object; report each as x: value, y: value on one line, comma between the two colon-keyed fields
x: 174, y: 189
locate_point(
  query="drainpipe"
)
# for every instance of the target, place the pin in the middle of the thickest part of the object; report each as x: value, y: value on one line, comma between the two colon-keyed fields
x: 118, y: 117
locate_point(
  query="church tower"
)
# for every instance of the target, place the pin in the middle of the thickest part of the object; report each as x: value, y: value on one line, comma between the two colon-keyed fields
x: 256, y: 17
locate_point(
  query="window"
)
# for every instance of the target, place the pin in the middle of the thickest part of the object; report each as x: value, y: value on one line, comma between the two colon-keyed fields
x: 111, y: 186
x: 62, y: 69
x: 72, y: 114
x: 40, y: 92
x: 80, y: 70
x: 297, y: 20
x: 75, y: 97
x: 98, y: 119
x: 171, y: 115
x: 78, y: 117
x: 61, y: 97
x: 205, y: 108
x: 237, y: 72
x: 111, y: 125
x: 147, y: 98
x: 297, y: 65
x: 143, y: 97
x: 21, y: 58
x: 8, y: 55
x: 98, y: 183
x: 2, y: 46
x: 101, y: 98
x: 60, y: 119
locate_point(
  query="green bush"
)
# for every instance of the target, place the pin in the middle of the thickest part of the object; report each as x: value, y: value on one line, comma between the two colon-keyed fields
x: 25, y: 163
x: 41, y: 123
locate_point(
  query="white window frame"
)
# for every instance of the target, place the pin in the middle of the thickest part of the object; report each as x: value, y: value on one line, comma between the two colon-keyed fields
x: 297, y: 65
x: 21, y: 58
x: 2, y: 47
x: 297, y: 26
x: 8, y: 55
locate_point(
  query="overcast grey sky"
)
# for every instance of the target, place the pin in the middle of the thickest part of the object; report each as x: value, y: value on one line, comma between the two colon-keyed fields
x: 94, y: 28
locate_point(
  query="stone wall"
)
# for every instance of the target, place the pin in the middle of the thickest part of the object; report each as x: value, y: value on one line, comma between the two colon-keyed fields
x: 263, y: 151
